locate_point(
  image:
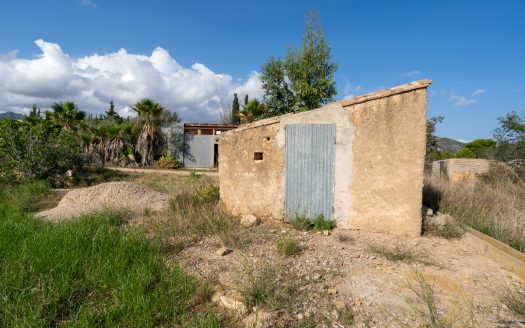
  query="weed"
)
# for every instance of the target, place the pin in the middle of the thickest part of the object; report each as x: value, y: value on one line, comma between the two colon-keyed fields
x: 194, y: 175
x: 450, y: 230
x: 287, y: 246
x: 207, y: 195
x: 344, y: 238
x: 301, y: 223
x: 514, y: 299
x: 426, y: 295
x: 264, y: 285
x: 401, y: 253
x: 320, y: 223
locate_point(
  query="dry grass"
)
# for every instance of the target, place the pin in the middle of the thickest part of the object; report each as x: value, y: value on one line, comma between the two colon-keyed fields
x: 495, y: 205
x: 401, y: 253
x: 194, y: 212
x: 514, y: 300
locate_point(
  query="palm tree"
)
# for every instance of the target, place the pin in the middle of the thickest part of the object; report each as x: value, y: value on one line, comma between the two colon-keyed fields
x: 66, y: 114
x: 252, y: 111
x: 148, y: 111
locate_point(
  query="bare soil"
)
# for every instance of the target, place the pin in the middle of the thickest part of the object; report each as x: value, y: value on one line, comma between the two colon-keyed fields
x: 111, y: 195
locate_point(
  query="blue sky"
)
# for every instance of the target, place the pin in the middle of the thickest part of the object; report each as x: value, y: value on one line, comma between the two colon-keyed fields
x: 472, y: 50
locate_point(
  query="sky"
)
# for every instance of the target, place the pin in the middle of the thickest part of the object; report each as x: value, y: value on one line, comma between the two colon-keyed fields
x: 191, y: 56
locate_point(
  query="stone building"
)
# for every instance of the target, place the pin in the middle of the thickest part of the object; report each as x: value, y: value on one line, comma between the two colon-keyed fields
x: 459, y: 169
x: 358, y: 161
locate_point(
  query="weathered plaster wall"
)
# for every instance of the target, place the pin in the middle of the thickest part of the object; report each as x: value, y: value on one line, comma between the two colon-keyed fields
x: 248, y: 186
x: 389, y: 150
x: 257, y: 187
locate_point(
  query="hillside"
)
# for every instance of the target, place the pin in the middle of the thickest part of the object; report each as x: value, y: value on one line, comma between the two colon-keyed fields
x: 14, y: 116
x: 447, y: 144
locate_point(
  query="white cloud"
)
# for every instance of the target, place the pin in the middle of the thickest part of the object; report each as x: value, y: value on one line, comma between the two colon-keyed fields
x: 92, y: 81
x: 415, y: 72
x: 461, y: 101
x: 350, y: 91
x: 88, y: 3
x: 479, y: 92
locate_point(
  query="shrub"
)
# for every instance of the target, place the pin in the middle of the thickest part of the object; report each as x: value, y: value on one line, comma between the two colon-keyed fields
x: 320, y: 223
x: 207, y: 195
x: 168, y: 162
x: 287, y: 246
x: 259, y: 286
x: 30, y: 152
x: 514, y: 299
x: 301, y: 223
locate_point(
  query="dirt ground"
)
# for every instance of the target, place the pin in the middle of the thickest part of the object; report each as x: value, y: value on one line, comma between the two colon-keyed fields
x: 340, y: 278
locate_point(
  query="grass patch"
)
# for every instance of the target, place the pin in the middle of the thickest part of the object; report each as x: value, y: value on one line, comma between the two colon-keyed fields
x: 494, y: 205
x: 344, y: 238
x: 87, y: 272
x: 287, y: 246
x: 263, y: 285
x: 514, y: 299
x: 401, y: 253
x: 450, y: 230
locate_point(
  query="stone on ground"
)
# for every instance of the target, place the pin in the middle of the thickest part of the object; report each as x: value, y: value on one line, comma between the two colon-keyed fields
x: 249, y: 220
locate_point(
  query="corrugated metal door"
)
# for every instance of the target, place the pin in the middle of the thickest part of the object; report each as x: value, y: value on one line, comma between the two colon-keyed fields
x: 199, y: 151
x: 309, y: 170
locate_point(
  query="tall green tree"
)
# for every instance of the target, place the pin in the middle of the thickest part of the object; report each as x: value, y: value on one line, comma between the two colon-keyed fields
x: 235, y: 110
x: 304, y: 80
x: 432, y: 151
x: 278, y: 97
x: 147, y: 141
x: 111, y: 113
x: 511, y: 136
x: 66, y: 115
x: 245, y: 100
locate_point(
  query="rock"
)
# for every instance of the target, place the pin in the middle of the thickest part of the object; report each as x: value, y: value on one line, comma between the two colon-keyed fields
x: 216, y: 297
x: 223, y: 251
x: 257, y: 319
x: 340, y: 305
x: 332, y: 291
x: 233, y: 304
x: 326, y: 233
x: 249, y: 220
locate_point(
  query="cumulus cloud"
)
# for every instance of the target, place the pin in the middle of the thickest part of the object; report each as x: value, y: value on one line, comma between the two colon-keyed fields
x: 479, y: 92
x: 92, y: 81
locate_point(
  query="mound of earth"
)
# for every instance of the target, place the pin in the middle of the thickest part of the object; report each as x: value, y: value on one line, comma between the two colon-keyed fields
x: 110, y: 195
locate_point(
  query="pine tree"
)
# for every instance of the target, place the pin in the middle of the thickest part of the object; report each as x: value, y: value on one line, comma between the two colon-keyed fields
x: 111, y: 114
x: 235, y: 110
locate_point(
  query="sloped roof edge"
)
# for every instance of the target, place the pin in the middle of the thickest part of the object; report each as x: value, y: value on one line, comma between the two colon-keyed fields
x: 421, y: 84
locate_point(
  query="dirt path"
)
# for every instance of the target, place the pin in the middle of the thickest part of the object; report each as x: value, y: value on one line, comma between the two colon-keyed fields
x: 380, y: 292
x: 163, y: 171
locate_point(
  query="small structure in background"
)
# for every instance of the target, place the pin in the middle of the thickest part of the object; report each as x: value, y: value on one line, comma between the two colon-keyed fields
x: 195, y: 144
x: 459, y: 169
x: 359, y: 162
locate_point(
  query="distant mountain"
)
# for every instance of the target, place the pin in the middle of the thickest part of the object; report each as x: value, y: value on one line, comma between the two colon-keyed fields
x: 14, y: 116
x: 447, y: 144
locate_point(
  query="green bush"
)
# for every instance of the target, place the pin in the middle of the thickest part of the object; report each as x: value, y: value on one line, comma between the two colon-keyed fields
x: 320, y: 223
x: 30, y: 152
x: 167, y: 162
x: 207, y: 195
x: 87, y: 273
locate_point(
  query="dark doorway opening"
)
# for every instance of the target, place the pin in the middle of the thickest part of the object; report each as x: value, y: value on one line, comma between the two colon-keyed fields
x: 216, y: 155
